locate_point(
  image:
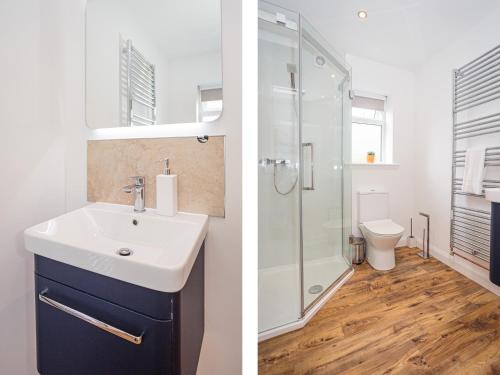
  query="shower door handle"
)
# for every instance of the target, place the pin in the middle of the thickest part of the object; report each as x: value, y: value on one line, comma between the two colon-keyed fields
x: 307, y: 166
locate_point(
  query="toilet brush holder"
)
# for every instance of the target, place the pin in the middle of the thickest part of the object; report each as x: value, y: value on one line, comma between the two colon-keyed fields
x: 411, y: 242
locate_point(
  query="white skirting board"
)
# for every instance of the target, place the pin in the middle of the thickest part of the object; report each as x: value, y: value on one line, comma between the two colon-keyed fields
x: 266, y: 335
x: 466, y: 268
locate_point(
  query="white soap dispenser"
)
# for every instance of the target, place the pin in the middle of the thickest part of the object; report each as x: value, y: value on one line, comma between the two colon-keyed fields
x: 166, y: 191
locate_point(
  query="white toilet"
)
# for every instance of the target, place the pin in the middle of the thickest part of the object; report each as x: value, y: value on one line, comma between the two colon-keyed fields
x: 381, y: 233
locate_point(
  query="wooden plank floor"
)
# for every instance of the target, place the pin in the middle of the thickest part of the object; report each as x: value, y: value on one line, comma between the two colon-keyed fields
x: 420, y: 318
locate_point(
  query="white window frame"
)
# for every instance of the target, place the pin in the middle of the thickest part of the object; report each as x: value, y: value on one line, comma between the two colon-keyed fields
x: 382, y: 123
x: 199, y: 106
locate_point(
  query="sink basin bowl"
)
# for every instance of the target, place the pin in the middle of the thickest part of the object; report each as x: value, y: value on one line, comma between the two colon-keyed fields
x: 493, y: 194
x: 163, y: 249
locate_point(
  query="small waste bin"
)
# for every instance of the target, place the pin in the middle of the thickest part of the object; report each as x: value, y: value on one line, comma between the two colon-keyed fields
x: 358, y: 250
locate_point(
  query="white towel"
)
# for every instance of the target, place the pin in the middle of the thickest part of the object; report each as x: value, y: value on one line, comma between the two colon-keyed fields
x: 474, y: 171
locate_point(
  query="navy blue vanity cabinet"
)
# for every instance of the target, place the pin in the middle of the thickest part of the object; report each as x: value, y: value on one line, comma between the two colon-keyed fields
x: 495, y: 244
x: 157, y: 333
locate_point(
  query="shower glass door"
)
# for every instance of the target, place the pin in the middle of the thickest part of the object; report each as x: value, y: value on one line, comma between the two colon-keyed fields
x: 279, y: 231
x: 304, y: 189
x: 324, y: 83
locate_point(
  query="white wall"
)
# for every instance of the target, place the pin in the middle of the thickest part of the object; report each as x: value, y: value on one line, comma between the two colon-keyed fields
x: 433, y: 136
x: 32, y: 165
x: 186, y: 74
x: 398, y: 179
x: 43, y: 156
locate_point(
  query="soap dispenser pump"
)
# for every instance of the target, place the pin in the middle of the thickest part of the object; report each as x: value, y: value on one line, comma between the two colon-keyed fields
x: 166, y: 191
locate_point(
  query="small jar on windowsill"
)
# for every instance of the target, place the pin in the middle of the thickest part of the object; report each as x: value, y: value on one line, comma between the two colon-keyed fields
x: 370, y: 157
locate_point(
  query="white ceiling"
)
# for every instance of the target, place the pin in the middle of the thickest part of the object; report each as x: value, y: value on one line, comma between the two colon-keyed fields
x: 399, y: 32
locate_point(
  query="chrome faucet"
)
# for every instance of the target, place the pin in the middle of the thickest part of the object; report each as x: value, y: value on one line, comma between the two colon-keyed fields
x: 138, y: 190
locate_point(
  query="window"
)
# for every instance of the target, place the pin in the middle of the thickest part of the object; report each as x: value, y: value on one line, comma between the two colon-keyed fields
x: 368, y: 127
x: 209, y: 105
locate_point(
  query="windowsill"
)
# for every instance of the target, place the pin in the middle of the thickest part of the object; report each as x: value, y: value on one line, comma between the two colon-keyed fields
x: 375, y: 165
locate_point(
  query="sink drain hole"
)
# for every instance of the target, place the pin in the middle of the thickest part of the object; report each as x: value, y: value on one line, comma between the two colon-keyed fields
x: 315, y: 289
x: 124, y: 252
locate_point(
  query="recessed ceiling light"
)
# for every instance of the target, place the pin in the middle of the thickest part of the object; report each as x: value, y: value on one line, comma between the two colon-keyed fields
x: 333, y: 76
x: 363, y: 14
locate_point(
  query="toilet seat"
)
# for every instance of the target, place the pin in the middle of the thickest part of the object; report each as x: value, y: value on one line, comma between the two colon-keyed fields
x: 383, y: 228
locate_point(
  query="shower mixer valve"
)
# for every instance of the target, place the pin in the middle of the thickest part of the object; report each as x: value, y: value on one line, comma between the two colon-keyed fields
x: 268, y: 161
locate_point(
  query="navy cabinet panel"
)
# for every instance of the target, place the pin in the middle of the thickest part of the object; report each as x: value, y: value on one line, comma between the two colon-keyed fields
x: 69, y: 345
x: 495, y: 244
x: 191, y: 310
x: 172, y: 324
x: 146, y: 301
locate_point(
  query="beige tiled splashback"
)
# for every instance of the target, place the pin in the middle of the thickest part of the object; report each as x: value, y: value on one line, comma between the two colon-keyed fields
x: 199, y: 167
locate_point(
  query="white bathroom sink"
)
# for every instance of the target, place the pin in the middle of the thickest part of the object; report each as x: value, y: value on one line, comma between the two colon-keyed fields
x: 163, y: 248
x: 493, y: 195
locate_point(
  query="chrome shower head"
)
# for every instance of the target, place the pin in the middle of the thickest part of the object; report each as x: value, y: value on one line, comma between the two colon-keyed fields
x: 319, y: 61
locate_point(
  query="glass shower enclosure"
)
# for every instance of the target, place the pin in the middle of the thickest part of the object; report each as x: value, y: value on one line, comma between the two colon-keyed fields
x: 304, y: 175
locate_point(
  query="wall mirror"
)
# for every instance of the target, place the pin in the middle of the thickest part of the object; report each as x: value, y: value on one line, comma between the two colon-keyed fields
x: 152, y: 62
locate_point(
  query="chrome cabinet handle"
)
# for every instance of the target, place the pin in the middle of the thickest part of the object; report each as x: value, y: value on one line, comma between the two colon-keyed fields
x: 311, y: 166
x: 86, y: 318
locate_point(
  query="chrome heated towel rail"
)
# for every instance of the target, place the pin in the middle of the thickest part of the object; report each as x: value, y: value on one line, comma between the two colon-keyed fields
x: 138, y: 87
x: 475, y: 86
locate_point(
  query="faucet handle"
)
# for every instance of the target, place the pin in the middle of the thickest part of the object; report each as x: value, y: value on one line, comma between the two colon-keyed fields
x: 139, y: 180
